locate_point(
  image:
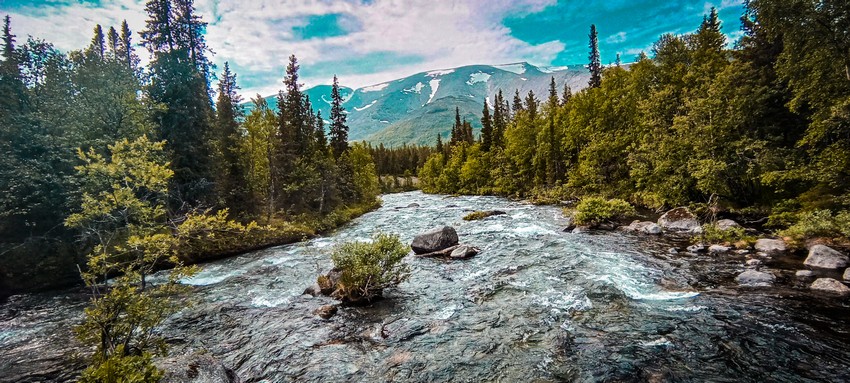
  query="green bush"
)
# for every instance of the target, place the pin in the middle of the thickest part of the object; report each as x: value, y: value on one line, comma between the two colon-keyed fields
x: 819, y: 223
x: 122, y: 369
x: 592, y: 211
x: 368, y: 268
x: 733, y: 235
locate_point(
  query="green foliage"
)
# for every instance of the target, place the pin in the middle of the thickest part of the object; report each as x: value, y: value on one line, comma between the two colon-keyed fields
x: 819, y: 223
x: 369, y: 268
x: 733, y: 235
x: 127, y: 369
x: 593, y: 211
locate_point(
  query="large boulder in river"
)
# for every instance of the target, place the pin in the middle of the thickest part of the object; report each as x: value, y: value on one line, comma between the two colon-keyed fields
x: 679, y: 219
x: 825, y: 258
x: 766, y: 245
x: 195, y: 368
x: 830, y: 285
x: 435, y: 240
x: 755, y: 278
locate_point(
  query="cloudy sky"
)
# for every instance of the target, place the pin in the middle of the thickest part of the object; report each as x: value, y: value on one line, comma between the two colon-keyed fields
x: 371, y: 41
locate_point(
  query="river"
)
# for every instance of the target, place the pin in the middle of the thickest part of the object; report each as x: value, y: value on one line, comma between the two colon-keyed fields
x: 536, y: 305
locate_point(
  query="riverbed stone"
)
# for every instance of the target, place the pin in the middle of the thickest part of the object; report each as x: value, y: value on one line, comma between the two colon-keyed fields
x: 767, y: 245
x: 825, y: 257
x: 846, y: 275
x: 726, y: 224
x: 326, y: 311
x: 464, y: 251
x: 755, y: 278
x: 698, y: 248
x: 804, y: 274
x: 195, y: 368
x: 830, y: 285
x: 645, y: 227
x: 679, y: 219
x: 435, y: 240
x: 314, y: 290
x: 753, y: 262
x: 570, y: 224
x: 717, y: 249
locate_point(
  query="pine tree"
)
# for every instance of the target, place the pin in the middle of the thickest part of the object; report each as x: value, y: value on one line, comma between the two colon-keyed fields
x: 228, y: 110
x: 439, y: 143
x: 457, y: 129
x: 617, y: 61
x: 321, y: 139
x: 567, y: 95
x: 468, y: 137
x: 517, y: 104
x: 531, y: 105
x: 595, y: 65
x: 97, y: 48
x: 125, y: 51
x: 553, y: 94
x: 500, y: 116
x: 339, y: 130
x: 112, y: 42
x: 486, y: 128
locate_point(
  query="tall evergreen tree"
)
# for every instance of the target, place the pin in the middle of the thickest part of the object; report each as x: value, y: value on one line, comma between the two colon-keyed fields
x: 617, y: 61
x: 517, y: 104
x: 97, y: 48
x: 486, y: 128
x: 112, y: 42
x: 566, y: 95
x: 531, y: 104
x: 230, y: 177
x: 595, y: 65
x: 125, y: 52
x: 321, y: 138
x: 339, y: 130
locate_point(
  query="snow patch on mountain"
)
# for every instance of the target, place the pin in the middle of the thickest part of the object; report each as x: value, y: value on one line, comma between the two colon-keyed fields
x: 415, y: 89
x: 478, y: 77
x: 375, y: 88
x: 518, y: 68
x: 437, y: 73
x: 552, y: 69
x: 434, y: 84
x: 365, y: 107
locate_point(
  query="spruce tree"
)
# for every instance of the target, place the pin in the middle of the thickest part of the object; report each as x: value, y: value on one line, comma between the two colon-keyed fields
x: 112, y: 42
x: 124, y: 51
x: 617, y: 61
x: 339, y: 130
x: 517, y: 104
x: 595, y: 65
x: 230, y: 178
x: 531, y: 105
x: 567, y: 95
x: 486, y: 128
x: 500, y: 116
x: 321, y: 139
x: 97, y: 48
x: 553, y: 94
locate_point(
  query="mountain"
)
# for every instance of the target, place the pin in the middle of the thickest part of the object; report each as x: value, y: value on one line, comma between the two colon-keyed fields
x: 414, y: 109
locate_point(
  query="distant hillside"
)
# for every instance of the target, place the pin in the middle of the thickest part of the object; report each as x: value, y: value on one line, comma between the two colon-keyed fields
x: 416, y: 108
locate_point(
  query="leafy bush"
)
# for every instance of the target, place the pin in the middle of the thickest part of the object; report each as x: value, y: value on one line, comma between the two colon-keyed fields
x: 733, y: 235
x: 123, y: 369
x: 819, y: 223
x: 595, y: 210
x: 368, y: 268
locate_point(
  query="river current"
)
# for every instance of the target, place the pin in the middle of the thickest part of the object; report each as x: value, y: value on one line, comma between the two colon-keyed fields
x: 536, y: 305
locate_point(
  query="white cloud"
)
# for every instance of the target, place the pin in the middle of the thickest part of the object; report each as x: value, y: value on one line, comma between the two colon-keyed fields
x: 616, y: 38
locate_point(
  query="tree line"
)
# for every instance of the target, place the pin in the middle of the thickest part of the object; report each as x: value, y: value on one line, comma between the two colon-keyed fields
x: 760, y: 127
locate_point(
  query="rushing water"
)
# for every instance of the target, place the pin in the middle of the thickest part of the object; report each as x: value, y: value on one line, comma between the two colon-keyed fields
x: 536, y: 305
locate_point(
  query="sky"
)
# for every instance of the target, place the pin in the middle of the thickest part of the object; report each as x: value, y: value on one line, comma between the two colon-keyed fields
x: 366, y: 42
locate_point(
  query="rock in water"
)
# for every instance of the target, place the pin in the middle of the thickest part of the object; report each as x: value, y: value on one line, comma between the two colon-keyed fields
x: 755, y: 278
x: 570, y: 224
x: 846, y: 276
x: 804, y: 274
x: 326, y: 311
x: 717, y: 249
x: 435, y: 240
x: 825, y: 258
x: 680, y: 219
x: 830, y: 285
x: 766, y: 245
x: 195, y: 368
x: 726, y: 224
x: 464, y: 251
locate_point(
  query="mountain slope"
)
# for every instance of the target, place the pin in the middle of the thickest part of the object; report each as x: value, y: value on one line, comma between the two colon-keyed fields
x: 414, y: 109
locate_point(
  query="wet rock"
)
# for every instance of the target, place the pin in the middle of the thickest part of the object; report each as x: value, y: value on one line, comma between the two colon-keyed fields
x: 679, y: 219
x: 481, y: 214
x: 742, y: 251
x: 673, y: 250
x: 698, y: 248
x: 464, y: 251
x: 326, y: 311
x: 830, y: 285
x: 195, y: 368
x: 753, y: 262
x: 570, y: 224
x: 644, y: 227
x: 435, y: 240
x: 767, y: 245
x: 755, y: 278
x: 314, y: 290
x: 804, y: 274
x: 717, y: 249
x: 581, y: 229
x: 413, y: 205
x: 607, y: 226
x: 726, y: 224
x: 846, y: 275
x: 826, y: 258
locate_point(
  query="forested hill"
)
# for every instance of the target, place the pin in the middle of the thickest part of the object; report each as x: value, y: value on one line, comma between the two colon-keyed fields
x: 414, y: 109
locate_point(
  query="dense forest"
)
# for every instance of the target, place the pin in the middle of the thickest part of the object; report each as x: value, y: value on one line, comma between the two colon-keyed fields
x: 74, y: 125
x: 762, y: 128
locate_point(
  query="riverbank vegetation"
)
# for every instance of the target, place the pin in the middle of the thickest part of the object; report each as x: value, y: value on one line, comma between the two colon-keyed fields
x: 760, y: 128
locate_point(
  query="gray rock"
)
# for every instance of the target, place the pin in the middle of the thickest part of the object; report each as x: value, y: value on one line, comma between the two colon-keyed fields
x: 570, y: 224
x: 825, y: 258
x: 753, y: 262
x: 644, y: 227
x: 413, y: 205
x: 717, y: 249
x: 830, y: 285
x: 673, y: 250
x: 606, y: 226
x: 804, y: 274
x: 580, y: 229
x: 742, y: 251
x: 698, y: 248
x: 435, y: 240
x: 846, y: 275
x: 314, y: 290
x: 767, y: 245
x: 679, y: 219
x: 755, y: 278
x: 464, y: 251
x: 195, y: 368
x: 726, y: 224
